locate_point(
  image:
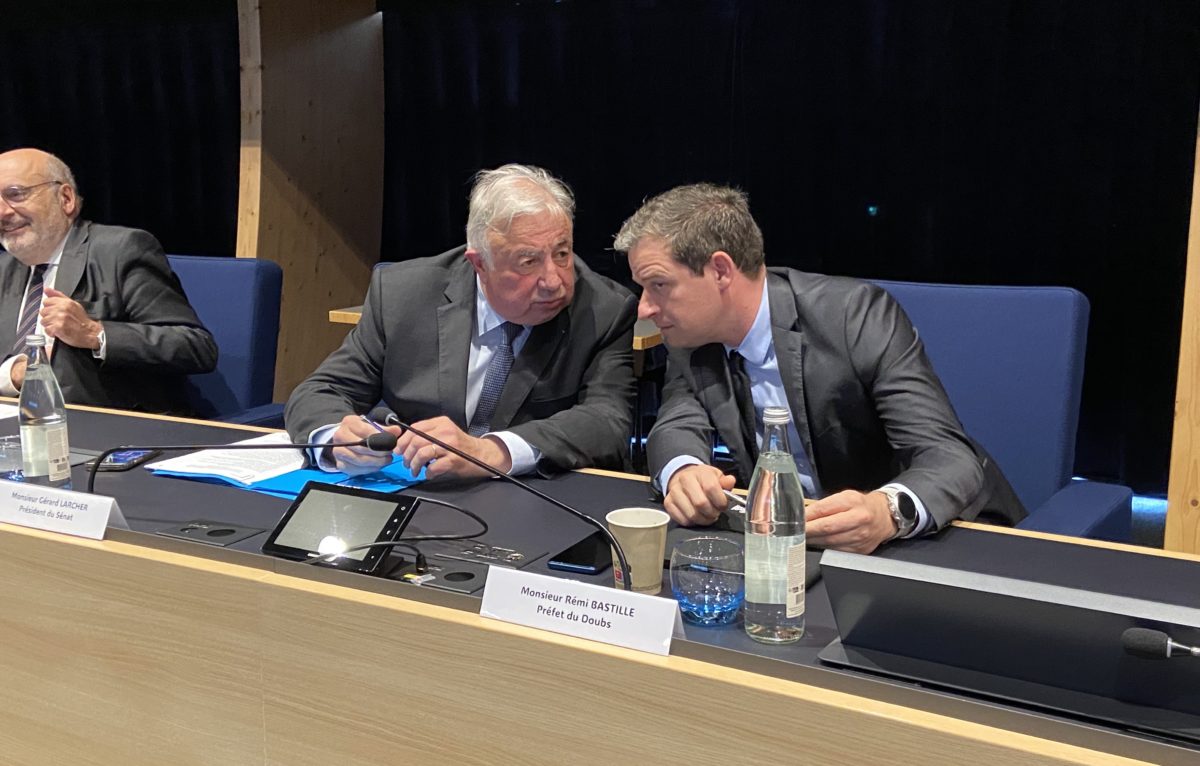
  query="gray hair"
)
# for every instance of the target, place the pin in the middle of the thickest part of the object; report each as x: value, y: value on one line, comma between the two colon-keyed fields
x: 499, y: 196
x: 58, y: 171
x: 696, y: 221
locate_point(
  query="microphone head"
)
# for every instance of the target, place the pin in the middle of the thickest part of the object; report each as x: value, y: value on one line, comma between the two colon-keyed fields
x: 1144, y: 642
x: 380, y: 414
x: 383, y: 441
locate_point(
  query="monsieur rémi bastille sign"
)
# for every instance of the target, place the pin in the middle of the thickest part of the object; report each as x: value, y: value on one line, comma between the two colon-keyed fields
x: 596, y: 612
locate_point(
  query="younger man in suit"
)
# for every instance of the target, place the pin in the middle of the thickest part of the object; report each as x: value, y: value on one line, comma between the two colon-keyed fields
x: 873, y: 433
x: 121, y: 332
x: 510, y: 348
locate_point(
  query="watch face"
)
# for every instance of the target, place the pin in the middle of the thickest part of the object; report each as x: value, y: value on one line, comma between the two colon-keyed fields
x: 908, y: 509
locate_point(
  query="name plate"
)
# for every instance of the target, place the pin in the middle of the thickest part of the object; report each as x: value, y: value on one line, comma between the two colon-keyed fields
x: 623, y: 618
x: 59, y: 510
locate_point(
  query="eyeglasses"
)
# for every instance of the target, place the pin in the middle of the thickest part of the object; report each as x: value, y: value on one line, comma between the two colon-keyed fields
x: 15, y: 195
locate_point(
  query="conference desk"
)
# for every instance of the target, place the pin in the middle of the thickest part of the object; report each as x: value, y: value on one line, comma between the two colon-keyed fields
x: 146, y: 649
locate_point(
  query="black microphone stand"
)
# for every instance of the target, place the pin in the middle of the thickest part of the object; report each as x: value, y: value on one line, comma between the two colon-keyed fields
x: 392, y: 420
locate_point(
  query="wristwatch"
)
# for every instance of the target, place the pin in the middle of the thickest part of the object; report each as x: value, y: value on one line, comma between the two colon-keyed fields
x: 903, y: 510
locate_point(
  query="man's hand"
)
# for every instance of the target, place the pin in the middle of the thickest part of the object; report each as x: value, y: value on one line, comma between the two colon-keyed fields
x: 65, y: 320
x: 358, y: 460
x: 695, y: 494
x: 16, y: 373
x: 850, y: 521
x: 439, y: 463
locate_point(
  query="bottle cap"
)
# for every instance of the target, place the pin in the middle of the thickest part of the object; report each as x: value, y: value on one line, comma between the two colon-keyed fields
x: 776, y: 416
x: 35, y: 340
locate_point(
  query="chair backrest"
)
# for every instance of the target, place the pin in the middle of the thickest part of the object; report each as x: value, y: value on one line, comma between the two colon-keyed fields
x: 237, y: 299
x: 1011, y: 359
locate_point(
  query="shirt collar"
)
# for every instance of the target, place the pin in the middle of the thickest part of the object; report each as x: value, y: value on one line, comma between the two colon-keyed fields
x: 58, y: 254
x: 486, y: 318
x: 757, y: 343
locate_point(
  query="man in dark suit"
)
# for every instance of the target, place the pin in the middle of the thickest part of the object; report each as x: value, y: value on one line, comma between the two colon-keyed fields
x: 510, y: 348
x: 874, y: 434
x: 121, y: 332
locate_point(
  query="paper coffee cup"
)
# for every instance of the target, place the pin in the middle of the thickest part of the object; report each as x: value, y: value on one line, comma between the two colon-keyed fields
x: 642, y: 533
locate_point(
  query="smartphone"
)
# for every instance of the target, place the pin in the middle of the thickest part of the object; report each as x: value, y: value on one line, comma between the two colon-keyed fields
x: 123, y: 460
x: 591, y: 555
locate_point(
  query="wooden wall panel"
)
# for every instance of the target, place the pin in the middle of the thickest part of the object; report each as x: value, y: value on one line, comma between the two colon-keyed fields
x: 312, y: 162
x: 1183, y: 491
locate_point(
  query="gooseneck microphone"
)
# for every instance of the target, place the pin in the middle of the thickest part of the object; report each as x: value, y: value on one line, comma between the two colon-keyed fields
x: 391, y: 419
x: 379, y: 442
x: 1155, y: 645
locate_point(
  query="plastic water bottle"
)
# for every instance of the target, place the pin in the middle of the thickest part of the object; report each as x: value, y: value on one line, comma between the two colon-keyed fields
x: 774, y: 607
x: 43, y: 420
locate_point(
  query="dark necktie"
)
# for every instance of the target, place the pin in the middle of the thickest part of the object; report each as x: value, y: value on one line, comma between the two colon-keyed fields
x: 33, y: 304
x: 493, y: 381
x: 745, y: 402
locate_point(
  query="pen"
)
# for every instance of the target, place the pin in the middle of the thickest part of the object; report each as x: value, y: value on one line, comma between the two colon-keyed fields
x: 737, y: 501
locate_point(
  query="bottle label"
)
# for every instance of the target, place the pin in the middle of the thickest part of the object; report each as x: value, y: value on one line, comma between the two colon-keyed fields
x: 46, y: 452
x: 795, y: 581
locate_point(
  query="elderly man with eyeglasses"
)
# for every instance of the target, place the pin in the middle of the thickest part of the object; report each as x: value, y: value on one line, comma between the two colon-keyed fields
x: 120, y: 330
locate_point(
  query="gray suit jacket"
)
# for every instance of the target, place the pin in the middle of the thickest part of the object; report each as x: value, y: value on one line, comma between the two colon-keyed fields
x: 568, y: 393
x: 867, y: 403
x: 153, y: 337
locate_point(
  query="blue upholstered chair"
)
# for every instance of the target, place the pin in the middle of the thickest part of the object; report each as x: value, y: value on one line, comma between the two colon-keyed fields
x: 237, y: 299
x: 1011, y: 359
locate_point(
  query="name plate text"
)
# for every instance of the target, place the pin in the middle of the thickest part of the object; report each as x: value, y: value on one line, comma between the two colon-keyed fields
x: 622, y: 618
x: 58, y: 510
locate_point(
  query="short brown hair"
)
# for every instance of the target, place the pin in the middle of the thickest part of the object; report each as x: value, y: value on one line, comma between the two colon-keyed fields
x: 696, y: 221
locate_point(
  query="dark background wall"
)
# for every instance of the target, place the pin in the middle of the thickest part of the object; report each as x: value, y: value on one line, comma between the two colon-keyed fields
x: 998, y: 142
x: 141, y: 99
x: 987, y: 141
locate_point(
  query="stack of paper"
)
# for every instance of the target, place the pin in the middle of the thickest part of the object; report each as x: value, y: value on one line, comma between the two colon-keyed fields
x: 278, y: 472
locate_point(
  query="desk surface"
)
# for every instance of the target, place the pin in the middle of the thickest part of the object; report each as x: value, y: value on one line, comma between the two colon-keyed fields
x: 645, y: 335
x: 141, y: 649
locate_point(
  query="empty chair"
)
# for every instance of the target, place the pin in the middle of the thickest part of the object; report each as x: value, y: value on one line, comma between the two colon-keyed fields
x: 1011, y: 359
x: 237, y: 299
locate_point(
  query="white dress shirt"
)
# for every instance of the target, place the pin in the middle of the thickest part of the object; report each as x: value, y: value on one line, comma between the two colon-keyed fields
x: 484, y: 342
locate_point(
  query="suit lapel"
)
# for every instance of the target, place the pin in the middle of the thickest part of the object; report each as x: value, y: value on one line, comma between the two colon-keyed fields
x: 456, y: 322
x: 16, y: 276
x: 539, y: 348
x: 73, y: 261
x: 789, y: 352
x: 710, y: 368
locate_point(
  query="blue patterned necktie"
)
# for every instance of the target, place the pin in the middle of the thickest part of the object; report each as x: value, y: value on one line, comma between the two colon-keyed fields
x: 33, y: 305
x: 493, y: 382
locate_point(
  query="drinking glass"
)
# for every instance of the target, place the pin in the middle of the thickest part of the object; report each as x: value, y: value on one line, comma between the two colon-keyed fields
x: 708, y: 580
x: 11, y: 467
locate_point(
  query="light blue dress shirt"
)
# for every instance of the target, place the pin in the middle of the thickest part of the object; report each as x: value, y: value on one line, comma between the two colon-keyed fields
x: 767, y: 390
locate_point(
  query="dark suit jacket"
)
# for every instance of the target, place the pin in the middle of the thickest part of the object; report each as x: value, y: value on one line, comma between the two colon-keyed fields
x: 867, y: 403
x: 153, y: 337
x: 568, y: 393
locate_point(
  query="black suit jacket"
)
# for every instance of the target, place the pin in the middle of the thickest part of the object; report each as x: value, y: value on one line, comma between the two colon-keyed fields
x: 568, y: 393
x: 867, y: 403
x: 153, y: 337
